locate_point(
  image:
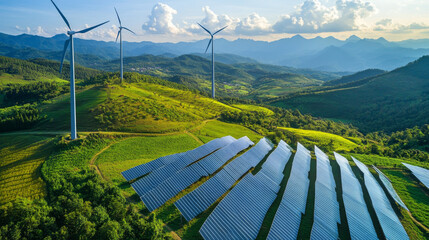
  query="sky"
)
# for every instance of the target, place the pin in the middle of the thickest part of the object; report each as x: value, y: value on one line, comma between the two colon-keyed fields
x: 174, y: 21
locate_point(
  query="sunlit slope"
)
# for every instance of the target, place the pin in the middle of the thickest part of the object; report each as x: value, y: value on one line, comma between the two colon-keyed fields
x: 392, y: 101
x: 138, y: 107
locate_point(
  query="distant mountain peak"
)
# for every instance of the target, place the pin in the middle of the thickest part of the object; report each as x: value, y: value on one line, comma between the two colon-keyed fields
x: 298, y: 36
x: 353, y: 38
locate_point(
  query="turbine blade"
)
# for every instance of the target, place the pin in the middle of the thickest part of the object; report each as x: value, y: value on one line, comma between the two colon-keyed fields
x: 129, y: 30
x: 89, y: 29
x: 220, y: 30
x: 211, y: 39
x: 66, y: 45
x: 62, y: 15
x: 119, y: 32
x: 120, y: 24
x: 205, y: 29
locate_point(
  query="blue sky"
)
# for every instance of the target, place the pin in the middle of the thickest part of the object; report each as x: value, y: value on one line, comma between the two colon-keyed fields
x: 268, y: 20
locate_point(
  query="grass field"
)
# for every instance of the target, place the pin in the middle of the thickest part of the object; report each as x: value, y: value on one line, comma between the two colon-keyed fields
x: 134, y: 151
x: 311, y: 137
x: 216, y: 129
x: 254, y: 108
x: 21, y: 158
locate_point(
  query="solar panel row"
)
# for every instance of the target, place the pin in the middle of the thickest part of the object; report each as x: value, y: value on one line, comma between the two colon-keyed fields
x: 194, y: 154
x: 274, y: 165
x: 359, y: 220
x: 205, y: 195
x: 241, y: 213
x: 326, y: 207
x: 421, y: 173
x: 388, y: 185
x: 392, y: 227
x: 178, y: 181
x: 288, y: 216
x: 149, y: 182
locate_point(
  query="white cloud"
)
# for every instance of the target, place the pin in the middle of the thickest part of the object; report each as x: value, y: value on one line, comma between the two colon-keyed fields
x: 36, y: 31
x: 387, y: 25
x: 253, y: 24
x: 313, y: 17
x: 213, y: 22
x: 161, y: 20
x: 100, y: 33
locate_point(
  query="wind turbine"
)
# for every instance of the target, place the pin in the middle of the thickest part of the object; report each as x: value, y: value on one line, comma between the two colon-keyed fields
x: 120, y: 34
x: 213, y: 62
x: 72, y: 80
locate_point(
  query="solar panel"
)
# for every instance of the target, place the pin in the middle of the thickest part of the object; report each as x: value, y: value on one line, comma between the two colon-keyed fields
x: 193, y: 155
x: 359, y: 220
x: 274, y: 165
x: 326, y: 207
x: 241, y: 213
x: 205, y: 195
x: 178, y: 181
x: 421, y: 173
x: 288, y: 216
x: 389, y: 222
x: 388, y: 185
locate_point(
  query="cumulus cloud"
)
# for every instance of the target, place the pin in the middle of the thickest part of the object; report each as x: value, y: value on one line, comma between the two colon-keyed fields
x: 313, y: 17
x: 161, y: 20
x: 254, y: 24
x: 388, y: 25
x: 212, y: 21
x: 98, y: 33
x: 35, y: 31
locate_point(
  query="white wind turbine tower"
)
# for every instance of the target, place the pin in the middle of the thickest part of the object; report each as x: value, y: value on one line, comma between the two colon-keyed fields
x: 72, y: 76
x: 213, y: 62
x: 120, y: 39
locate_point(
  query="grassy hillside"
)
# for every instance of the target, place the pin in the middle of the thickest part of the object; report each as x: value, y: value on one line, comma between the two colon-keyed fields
x: 242, y: 79
x: 355, y: 77
x: 311, y: 137
x: 389, y: 102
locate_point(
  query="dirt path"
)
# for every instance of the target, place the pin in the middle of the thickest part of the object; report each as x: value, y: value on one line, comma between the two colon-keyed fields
x: 92, y: 162
x: 418, y: 223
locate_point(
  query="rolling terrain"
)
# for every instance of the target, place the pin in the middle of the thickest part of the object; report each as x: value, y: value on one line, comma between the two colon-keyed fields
x: 389, y: 102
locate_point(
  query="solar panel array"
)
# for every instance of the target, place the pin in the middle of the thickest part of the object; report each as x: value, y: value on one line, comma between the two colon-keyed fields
x: 194, y: 155
x: 421, y: 173
x: 180, y: 180
x: 274, y: 165
x: 241, y: 213
x: 389, y: 222
x: 288, y: 216
x: 326, y: 207
x: 358, y: 218
x: 205, y: 195
x: 149, y: 182
x: 388, y: 185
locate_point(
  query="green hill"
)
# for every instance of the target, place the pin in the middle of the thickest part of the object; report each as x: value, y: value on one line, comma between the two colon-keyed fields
x: 355, y: 77
x: 250, y: 80
x: 389, y: 102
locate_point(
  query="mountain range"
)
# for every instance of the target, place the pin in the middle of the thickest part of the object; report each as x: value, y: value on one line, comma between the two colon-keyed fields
x: 325, y: 54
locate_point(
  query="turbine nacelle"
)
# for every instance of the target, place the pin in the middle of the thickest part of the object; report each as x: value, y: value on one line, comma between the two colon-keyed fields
x: 70, y: 33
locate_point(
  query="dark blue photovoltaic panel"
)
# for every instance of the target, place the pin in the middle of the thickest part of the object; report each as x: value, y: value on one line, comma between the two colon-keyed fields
x: 180, y: 180
x: 241, y: 213
x: 389, y: 221
x: 326, y: 207
x: 143, y: 169
x: 288, y: 216
x: 358, y: 218
x: 190, y: 156
x: 172, y: 186
x: 224, y: 180
x: 274, y: 165
x: 420, y: 173
x: 386, y: 182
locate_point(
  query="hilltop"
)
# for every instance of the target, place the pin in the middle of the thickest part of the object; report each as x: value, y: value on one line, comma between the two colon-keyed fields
x: 391, y: 101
